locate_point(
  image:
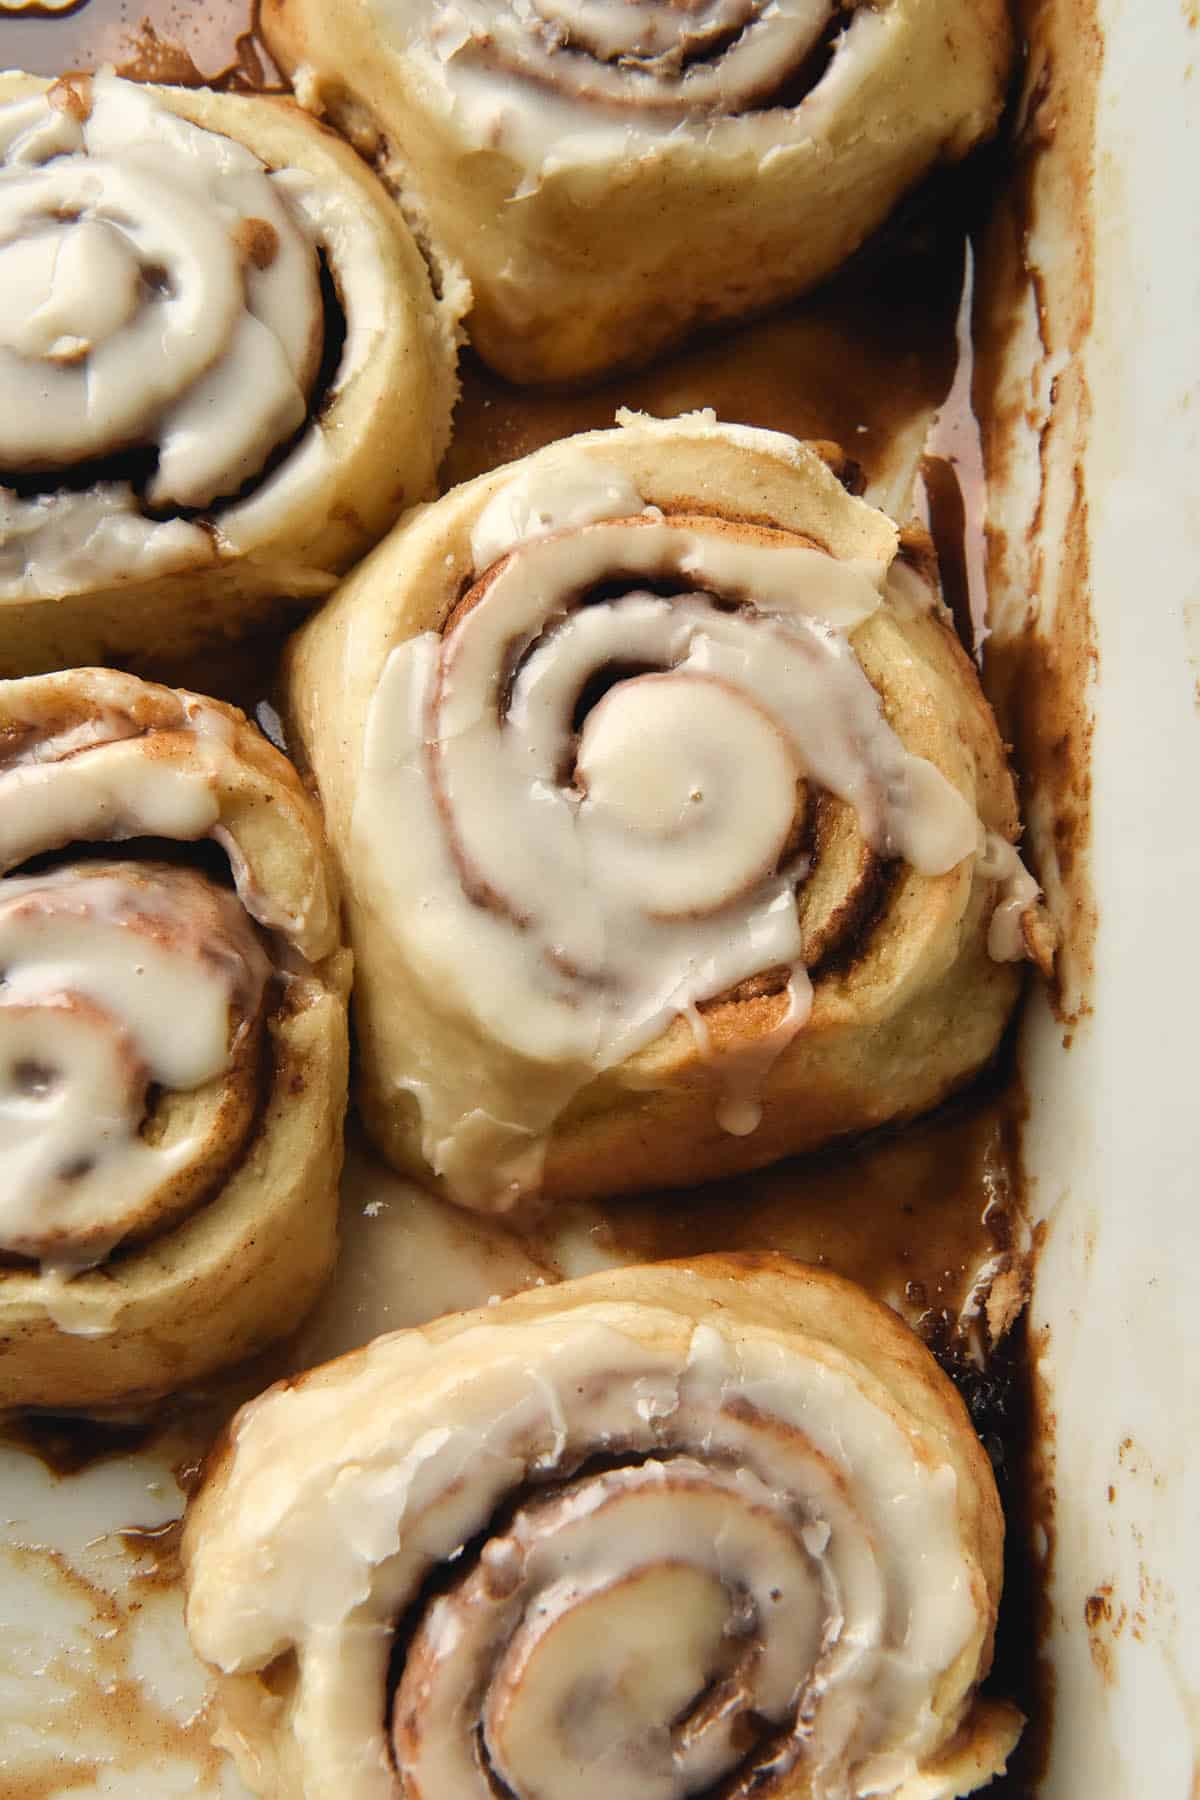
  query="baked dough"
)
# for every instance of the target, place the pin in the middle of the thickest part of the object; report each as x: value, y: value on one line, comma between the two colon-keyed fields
x: 664, y: 1531
x: 612, y: 176
x: 224, y: 370
x: 676, y: 832
x: 172, y: 1047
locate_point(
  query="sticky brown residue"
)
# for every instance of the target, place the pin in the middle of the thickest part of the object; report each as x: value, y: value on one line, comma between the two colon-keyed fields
x: 933, y: 1204
x: 145, y: 40
x: 854, y: 366
x: 1105, y: 1619
x: 117, y: 1717
x: 157, y: 1549
x: 257, y: 242
x: 149, y: 55
x: 1023, y: 1669
x: 1040, y: 666
x: 72, y: 94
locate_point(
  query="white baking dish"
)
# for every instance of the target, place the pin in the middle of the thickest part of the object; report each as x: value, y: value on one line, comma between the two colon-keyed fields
x: 1112, y: 379
x: 1099, y: 448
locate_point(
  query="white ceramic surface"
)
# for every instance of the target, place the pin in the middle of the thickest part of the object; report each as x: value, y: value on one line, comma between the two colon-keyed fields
x: 1114, y: 1137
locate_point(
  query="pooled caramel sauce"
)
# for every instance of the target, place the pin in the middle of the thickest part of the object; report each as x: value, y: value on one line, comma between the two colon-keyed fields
x: 912, y: 1215
x: 1042, y: 660
x: 864, y: 364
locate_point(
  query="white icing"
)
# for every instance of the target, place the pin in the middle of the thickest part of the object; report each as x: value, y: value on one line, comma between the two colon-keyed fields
x: 558, y: 497
x: 652, y: 870
x: 554, y: 86
x: 213, y: 369
x: 111, y: 979
x: 55, y: 544
x: 778, y: 1469
x: 114, y: 792
x: 1001, y: 862
x: 155, y: 288
x: 52, y: 796
x: 350, y: 238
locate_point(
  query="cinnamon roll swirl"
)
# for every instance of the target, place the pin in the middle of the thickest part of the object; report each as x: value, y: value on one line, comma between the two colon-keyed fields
x: 611, y: 175
x: 720, y: 1530
x: 224, y: 370
x: 673, y: 819
x: 172, y: 1041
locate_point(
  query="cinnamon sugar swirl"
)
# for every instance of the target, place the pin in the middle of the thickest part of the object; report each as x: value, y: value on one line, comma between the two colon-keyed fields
x: 224, y: 370
x: 713, y: 1531
x: 671, y: 816
x: 172, y: 1041
x: 610, y: 175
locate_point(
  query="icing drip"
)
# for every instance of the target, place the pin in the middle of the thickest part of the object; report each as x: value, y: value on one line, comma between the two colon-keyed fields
x: 652, y: 753
x: 1019, y: 892
x: 116, y: 978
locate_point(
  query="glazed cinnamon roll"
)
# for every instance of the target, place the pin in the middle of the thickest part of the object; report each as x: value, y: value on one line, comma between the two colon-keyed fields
x: 223, y: 367
x: 172, y: 1041
x: 723, y: 1530
x: 611, y: 175
x: 674, y: 823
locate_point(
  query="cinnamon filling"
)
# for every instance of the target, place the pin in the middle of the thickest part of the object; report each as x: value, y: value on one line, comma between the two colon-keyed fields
x: 132, y: 1004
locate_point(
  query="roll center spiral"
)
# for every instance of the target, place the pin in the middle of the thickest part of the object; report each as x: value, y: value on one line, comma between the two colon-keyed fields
x: 640, y: 1632
x: 693, y: 816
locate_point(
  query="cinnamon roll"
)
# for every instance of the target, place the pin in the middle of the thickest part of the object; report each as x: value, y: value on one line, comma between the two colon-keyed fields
x: 172, y: 1041
x: 674, y: 824
x: 224, y: 370
x: 720, y: 1530
x: 610, y: 176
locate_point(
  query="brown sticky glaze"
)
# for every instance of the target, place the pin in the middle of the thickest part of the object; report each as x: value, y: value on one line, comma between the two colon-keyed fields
x: 855, y: 365
x: 156, y: 1548
x: 1026, y: 1478
x: 101, y: 1688
x: 146, y: 40
x: 1039, y: 670
x: 1041, y: 662
x: 67, y: 1446
x: 932, y: 1204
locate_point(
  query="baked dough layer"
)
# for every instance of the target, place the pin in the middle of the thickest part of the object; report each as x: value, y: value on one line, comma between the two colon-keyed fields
x: 608, y: 186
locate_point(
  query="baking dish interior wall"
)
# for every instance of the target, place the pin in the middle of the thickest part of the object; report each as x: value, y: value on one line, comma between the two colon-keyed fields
x: 1091, y: 424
